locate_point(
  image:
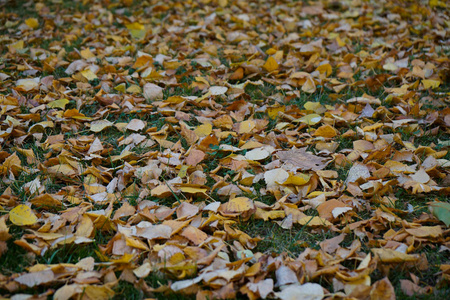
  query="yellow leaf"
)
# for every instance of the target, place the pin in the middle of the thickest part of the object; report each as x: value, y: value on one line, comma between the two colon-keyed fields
x: 311, y: 119
x: 203, y: 130
x: 183, y: 171
x: 134, y: 89
x: 48, y: 236
x: 22, y: 215
x: 19, y: 45
x: 425, y: 231
x: 86, y: 53
x: 246, y: 126
x: 266, y: 215
x: 314, y: 106
x: 135, y: 26
x: 137, y: 30
x: 392, y: 256
x: 326, y: 131
x: 121, y: 87
x: 273, y: 111
x: 32, y: 23
x: 125, y: 154
x: 98, y: 126
x: 61, y: 103
x: 297, y: 179
x: 237, y: 206
x: 175, y: 99
x: 192, y: 190
x: 325, y: 69
x: 88, y: 74
x: 39, y: 127
x: 309, y: 86
x: 75, y: 114
x: 31, y: 157
x: 428, y: 83
x: 137, y: 34
x: 278, y: 55
x: 271, y: 64
x: 271, y: 51
x: 135, y: 243
x: 314, y: 221
x: 125, y: 259
x: 62, y: 169
x: 45, y: 200
x: 340, y: 42
x: 98, y: 292
x: 437, y: 3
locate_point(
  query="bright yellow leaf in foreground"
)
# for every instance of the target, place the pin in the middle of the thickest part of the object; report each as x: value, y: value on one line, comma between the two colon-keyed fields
x: 22, y: 215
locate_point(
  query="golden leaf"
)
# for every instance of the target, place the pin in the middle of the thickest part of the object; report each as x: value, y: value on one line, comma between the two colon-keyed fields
x: 271, y: 64
x: 22, y: 215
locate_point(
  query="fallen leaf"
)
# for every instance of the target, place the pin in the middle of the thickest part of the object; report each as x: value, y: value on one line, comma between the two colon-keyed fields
x: 271, y: 64
x: 300, y: 159
x: 218, y: 90
x: 36, y: 278
x: 257, y: 154
x: 61, y: 103
x: 22, y: 215
x: 307, y: 291
x: 28, y: 84
x: 240, y: 206
x: 425, y: 231
x: 311, y: 119
x: 441, y: 210
x: 153, y: 92
x: 382, y: 289
x: 275, y: 177
x: 392, y: 256
x: 33, y: 23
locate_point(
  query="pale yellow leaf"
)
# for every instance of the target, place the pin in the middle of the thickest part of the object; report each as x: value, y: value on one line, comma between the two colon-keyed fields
x: 311, y: 119
x: 89, y: 75
x: 61, y: 103
x: 98, y: 126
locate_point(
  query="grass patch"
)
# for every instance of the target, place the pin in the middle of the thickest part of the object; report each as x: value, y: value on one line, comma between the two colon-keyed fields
x: 277, y: 240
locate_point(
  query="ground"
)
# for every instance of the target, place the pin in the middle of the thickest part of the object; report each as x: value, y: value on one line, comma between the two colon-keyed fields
x: 224, y: 149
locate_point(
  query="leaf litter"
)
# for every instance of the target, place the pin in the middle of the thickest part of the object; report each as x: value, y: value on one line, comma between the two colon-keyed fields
x: 152, y: 132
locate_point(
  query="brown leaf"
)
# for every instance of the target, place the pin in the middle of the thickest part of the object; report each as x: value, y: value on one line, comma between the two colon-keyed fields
x: 195, y: 157
x: 410, y: 288
x: 330, y: 245
x: 195, y: 235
